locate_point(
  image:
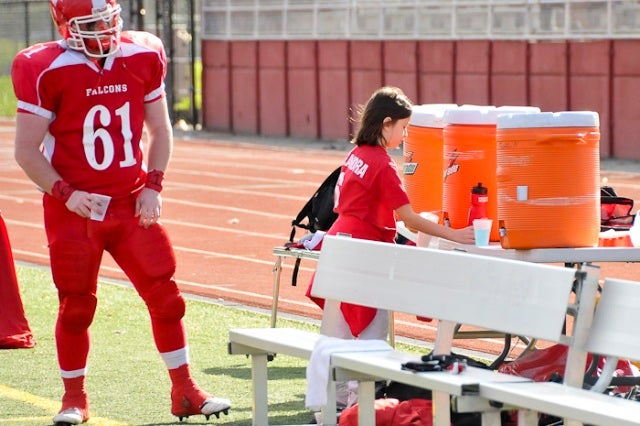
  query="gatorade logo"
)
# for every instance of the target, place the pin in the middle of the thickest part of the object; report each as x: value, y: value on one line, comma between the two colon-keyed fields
x: 453, y: 166
x: 409, y: 167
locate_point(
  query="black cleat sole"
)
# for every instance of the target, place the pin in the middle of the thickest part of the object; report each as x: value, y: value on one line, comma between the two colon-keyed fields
x: 206, y: 416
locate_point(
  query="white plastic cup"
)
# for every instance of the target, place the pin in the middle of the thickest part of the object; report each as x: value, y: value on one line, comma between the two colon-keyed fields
x: 482, y: 231
x: 99, y: 206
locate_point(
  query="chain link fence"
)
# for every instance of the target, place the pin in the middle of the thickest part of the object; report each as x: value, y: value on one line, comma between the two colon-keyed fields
x: 26, y: 22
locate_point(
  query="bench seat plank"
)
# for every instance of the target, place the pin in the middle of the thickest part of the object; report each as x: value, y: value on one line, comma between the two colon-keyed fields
x: 289, y: 341
x: 565, y: 401
x: 388, y: 365
x: 370, y: 366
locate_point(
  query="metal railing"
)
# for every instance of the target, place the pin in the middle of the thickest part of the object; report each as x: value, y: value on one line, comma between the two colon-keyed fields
x: 421, y: 19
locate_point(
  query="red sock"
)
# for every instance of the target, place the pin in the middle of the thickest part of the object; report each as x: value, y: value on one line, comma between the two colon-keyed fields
x: 183, y: 382
x: 180, y: 376
x: 74, y: 393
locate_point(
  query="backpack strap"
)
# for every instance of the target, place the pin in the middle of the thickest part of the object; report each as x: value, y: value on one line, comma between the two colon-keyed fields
x: 294, y: 275
x: 298, y: 222
x: 306, y: 212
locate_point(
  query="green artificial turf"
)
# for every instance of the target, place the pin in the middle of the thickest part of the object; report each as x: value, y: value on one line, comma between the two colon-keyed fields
x: 127, y: 380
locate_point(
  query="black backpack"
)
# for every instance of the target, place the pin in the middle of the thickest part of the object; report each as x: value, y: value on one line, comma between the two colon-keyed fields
x: 318, y: 213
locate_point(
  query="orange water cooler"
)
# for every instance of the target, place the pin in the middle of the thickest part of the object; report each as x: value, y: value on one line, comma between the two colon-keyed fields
x: 548, y: 174
x: 469, y: 154
x: 422, y: 155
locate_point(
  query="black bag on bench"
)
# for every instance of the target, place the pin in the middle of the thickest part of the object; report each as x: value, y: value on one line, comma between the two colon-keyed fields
x: 318, y: 213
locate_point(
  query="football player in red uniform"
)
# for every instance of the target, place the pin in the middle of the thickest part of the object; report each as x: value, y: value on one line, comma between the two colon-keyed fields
x: 82, y: 104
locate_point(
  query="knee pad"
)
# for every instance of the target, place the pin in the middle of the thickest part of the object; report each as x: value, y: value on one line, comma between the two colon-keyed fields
x: 77, y: 311
x: 165, y: 301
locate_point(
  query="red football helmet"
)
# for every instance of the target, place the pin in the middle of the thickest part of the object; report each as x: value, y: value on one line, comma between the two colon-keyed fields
x: 89, y: 26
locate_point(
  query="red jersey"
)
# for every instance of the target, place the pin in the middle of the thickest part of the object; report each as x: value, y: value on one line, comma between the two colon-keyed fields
x: 367, y: 193
x: 97, y: 114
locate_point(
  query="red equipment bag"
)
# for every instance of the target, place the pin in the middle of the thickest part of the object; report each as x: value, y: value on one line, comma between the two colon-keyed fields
x: 391, y: 412
x: 615, y: 212
x: 544, y: 365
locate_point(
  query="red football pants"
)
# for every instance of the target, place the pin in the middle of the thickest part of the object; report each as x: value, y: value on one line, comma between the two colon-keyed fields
x: 76, y: 246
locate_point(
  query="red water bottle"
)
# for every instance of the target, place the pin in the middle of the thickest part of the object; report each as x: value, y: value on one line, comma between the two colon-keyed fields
x: 479, y: 201
x: 445, y: 219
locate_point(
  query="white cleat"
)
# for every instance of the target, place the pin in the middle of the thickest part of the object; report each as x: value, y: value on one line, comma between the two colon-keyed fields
x: 214, y: 405
x: 70, y: 416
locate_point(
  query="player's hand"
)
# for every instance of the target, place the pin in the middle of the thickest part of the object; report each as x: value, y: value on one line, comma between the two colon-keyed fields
x: 148, y: 207
x: 80, y: 203
x: 465, y: 235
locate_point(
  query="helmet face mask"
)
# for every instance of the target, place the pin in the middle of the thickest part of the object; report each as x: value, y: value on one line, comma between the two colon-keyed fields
x: 89, y: 26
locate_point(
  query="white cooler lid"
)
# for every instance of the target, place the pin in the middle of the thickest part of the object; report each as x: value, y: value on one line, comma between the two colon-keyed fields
x: 483, y: 115
x: 549, y: 119
x: 429, y: 115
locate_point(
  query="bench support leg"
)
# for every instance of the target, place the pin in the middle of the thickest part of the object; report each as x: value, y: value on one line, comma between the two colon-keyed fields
x: 586, y: 292
x: 444, y: 338
x: 277, y: 270
x: 491, y: 418
x: 366, y: 398
x: 260, y: 409
x: 527, y: 418
x: 441, y: 408
x: 329, y: 411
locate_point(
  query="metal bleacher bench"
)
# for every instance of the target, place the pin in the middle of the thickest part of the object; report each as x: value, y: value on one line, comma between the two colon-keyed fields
x: 614, y: 333
x: 510, y: 296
